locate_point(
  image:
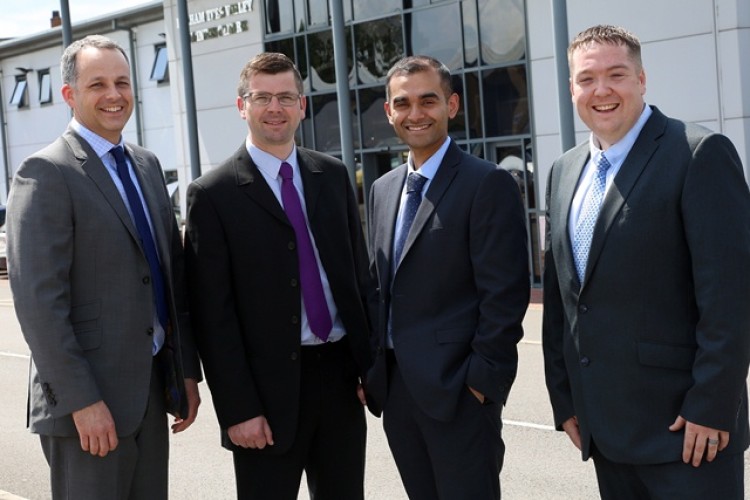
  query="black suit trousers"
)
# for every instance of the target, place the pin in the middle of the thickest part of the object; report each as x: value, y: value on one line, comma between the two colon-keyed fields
x: 330, y: 441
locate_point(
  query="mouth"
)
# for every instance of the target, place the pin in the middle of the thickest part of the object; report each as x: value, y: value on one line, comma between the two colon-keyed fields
x: 603, y: 108
x: 112, y: 109
x: 417, y: 127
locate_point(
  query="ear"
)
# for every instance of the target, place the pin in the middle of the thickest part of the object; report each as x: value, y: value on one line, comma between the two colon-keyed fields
x: 68, y: 94
x: 302, y: 107
x: 453, y: 104
x: 241, y: 106
x: 387, y: 109
x: 642, y: 81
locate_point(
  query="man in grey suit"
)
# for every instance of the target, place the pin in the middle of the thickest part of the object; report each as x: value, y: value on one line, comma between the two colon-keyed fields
x: 451, y: 262
x: 646, y: 288
x: 95, y: 266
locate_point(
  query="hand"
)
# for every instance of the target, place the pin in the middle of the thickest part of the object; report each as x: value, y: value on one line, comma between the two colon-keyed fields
x: 361, y: 394
x: 571, y: 428
x: 253, y: 433
x: 477, y: 394
x: 96, y: 428
x: 696, y: 441
x: 194, y: 401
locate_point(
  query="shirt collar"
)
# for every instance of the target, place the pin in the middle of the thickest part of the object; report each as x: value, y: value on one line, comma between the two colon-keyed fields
x: 430, y: 167
x: 617, y: 152
x: 267, y: 163
x: 100, y: 145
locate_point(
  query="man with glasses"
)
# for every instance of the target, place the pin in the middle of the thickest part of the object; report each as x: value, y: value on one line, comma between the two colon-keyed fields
x: 278, y: 281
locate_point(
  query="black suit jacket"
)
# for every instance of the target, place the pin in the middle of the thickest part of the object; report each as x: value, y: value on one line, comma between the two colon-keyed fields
x: 661, y: 325
x: 243, y: 284
x: 461, y: 290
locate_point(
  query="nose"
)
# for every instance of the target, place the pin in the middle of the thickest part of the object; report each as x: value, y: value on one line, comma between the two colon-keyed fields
x: 602, y: 87
x: 275, y: 103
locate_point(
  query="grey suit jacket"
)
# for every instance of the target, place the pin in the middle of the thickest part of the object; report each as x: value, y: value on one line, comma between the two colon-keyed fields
x: 660, y: 326
x: 461, y: 290
x: 81, y: 284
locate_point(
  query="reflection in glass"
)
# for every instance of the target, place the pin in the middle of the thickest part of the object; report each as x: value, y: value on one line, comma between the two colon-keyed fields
x: 457, y: 126
x: 376, y: 131
x: 371, y: 8
x: 279, y: 16
x: 502, y: 27
x: 326, y: 115
x: 379, y: 44
x: 471, y: 34
x: 322, y: 62
x: 318, y: 12
x: 299, y: 15
x: 472, y: 105
x: 285, y: 46
x: 301, y: 62
x: 436, y: 32
x: 506, y: 107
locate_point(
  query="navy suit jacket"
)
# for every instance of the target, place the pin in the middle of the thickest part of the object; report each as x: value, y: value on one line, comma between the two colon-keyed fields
x: 660, y: 326
x: 460, y: 292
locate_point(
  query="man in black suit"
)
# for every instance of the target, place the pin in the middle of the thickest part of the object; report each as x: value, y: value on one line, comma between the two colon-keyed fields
x: 278, y: 282
x: 454, y: 288
x: 646, y: 288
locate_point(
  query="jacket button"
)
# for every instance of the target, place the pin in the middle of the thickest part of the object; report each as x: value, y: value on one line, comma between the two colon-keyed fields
x: 583, y: 309
x: 291, y: 245
x: 293, y: 282
x: 379, y: 350
x: 585, y: 361
x: 146, y: 280
x: 150, y: 331
x: 295, y: 320
x: 294, y: 356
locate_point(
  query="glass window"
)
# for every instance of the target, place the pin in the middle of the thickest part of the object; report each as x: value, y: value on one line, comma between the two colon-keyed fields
x: 45, y: 87
x: 506, y: 107
x: 376, y: 131
x: 379, y: 44
x: 18, y: 98
x: 284, y: 46
x: 364, y: 9
x: 322, y: 61
x: 408, y: 4
x: 299, y: 15
x: 471, y: 105
x: 457, y: 126
x: 436, y: 32
x: 318, y: 12
x: 160, y: 68
x: 279, y: 16
x: 502, y: 30
x: 326, y: 115
x: 471, y: 34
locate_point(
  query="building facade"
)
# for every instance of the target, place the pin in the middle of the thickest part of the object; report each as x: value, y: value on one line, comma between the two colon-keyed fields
x: 501, y: 54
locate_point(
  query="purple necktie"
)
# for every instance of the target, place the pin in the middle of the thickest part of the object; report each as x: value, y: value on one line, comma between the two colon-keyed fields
x: 318, y: 315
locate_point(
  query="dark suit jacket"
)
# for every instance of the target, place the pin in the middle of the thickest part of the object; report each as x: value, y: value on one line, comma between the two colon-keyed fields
x: 243, y: 284
x: 661, y: 325
x: 81, y: 285
x: 462, y: 288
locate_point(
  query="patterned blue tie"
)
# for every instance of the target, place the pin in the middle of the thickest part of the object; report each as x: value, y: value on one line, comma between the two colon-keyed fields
x: 414, y: 184
x: 144, y: 232
x: 588, y: 216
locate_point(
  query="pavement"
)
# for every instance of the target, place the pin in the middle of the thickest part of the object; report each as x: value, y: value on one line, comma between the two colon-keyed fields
x: 540, y: 463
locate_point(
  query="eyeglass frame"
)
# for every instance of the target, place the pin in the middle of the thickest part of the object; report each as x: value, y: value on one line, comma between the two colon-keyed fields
x: 270, y: 97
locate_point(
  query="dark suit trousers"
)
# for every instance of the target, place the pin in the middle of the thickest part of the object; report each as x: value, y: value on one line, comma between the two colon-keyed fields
x: 136, y: 470
x: 453, y: 460
x: 330, y: 441
x: 723, y: 478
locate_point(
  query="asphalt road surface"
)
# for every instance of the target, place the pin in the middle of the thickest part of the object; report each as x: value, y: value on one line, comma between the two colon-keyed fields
x: 539, y: 462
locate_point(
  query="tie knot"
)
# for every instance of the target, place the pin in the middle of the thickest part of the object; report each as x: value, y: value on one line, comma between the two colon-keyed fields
x: 415, y: 182
x: 285, y: 171
x: 118, y: 153
x: 603, y: 164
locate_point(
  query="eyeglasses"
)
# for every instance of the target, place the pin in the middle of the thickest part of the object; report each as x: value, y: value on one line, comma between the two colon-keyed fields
x: 264, y: 99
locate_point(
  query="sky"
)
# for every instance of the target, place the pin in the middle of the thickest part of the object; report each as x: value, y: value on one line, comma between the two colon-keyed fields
x: 25, y: 17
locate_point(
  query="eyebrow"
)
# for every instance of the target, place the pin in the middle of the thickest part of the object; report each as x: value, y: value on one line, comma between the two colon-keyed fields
x: 428, y: 95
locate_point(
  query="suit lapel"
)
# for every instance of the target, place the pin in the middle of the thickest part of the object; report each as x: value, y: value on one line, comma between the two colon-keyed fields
x: 635, y: 163
x: 573, y: 168
x: 97, y: 172
x: 387, y: 212
x: 443, y: 177
x: 312, y: 180
x: 251, y: 182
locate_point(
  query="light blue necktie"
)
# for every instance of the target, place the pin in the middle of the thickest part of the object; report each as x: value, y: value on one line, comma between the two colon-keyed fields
x: 588, y: 216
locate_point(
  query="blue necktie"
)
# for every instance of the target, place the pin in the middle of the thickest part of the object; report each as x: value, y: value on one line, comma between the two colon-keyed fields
x: 588, y: 216
x: 414, y: 184
x: 316, y: 307
x: 144, y: 232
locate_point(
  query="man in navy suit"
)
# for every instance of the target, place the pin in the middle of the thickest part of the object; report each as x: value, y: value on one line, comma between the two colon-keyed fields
x: 454, y: 288
x: 646, y: 317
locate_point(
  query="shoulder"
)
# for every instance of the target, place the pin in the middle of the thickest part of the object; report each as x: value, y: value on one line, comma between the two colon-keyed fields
x: 226, y: 171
